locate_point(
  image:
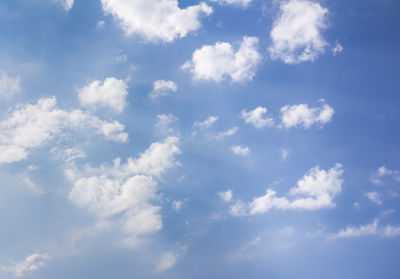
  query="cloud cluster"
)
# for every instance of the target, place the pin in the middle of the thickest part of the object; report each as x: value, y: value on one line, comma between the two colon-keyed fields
x: 372, y: 229
x: 296, y: 34
x: 124, y: 193
x: 30, y: 263
x: 220, y: 61
x: 257, y: 117
x: 156, y: 20
x: 32, y: 126
x: 316, y: 190
x: 111, y: 93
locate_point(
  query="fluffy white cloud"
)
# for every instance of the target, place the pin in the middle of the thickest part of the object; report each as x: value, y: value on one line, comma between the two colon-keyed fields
x: 32, y: 126
x: 296, y: 34
x: 163, y: 88
x: 242, y: 3
x: 167, y: 261
x: 156, y: 20
x: 239, y: 150
x: 373, y: 229
x: 220, y: 61
x: 375, y: 197
x: 29, y: 264
x: 208, y: 123
x: 316, y: 190
x: 257, y: 117
x: 164, y: 122
x: 226, y: 196
x: 125, y: 193
x: 66, y: 4
x: 302, y: 115
x: 111, y: 93
x: 9, y: 85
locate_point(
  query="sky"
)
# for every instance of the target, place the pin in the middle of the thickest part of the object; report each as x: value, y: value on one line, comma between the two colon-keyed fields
x: 199, y: 139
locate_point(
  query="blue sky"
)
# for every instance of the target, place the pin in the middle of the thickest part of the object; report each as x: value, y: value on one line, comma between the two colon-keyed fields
x: 190, y: 139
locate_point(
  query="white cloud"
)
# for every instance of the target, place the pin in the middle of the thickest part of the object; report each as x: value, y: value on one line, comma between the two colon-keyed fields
x: 219, y: 62
x: 163, y: 88
x: 257, y: 117
x: 337, y: 49
x: 125, y: 193
x: 238, y: 150
x: 177, y: 205
x: 227, y: 133
x: 67, y: 4
x: 373, y: 229
x: 32, y: 126
x: 226, y: 196
x: 302, y: 115
x: 296, y: 34
x: 285, y: 153
x: 164, y: 122
x: 241, y: 3
x: 111, y: 93
x: 156, y: 20
x: 9, y: 85
x: 375, y: 197
x: 25, y: 180
x: 29, y: 264
x: 208, y: 123
x: 316, y: 190
x: 383, y: 172
x: 167, y: 261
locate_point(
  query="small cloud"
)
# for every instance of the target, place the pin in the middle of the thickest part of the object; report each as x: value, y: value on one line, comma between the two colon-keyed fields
x: 208, y: 123
x: 164, y: 123
x: 285, y: 153
x: 257, y: 117
x: 226, y: 196
x: 29, y: 264
x: 227, y: 133
x: 375, y: 197
x: 337, y: 49
x: 163, y: 88
x: 238, y: 150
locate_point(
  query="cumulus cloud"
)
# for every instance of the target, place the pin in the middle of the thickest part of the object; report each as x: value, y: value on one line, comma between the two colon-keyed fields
x: 156, y: 20
x: 239, y: 150
x: 220, y: 61
x: 66, y: 4
x: 372, y: 229
x: 226, y: 196
x: 164, y: 122
x: 316, y: 190
x: 257, y: 117
x: 303, y: 116
x: 32, y: 126
x: 110, y: 93
x: 125, y: 193
x: 163, y: 88
x: 296, y: 33
x: 9, y: 85
x: 208, y: 123
x: 240, y: 3
x: 374, y: 197
x: 29, y: 264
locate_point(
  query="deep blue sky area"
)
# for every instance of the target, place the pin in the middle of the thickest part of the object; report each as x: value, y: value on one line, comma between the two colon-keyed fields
x: 190, y: 139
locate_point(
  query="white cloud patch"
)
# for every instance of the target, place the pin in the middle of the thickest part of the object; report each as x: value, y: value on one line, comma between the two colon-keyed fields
x: 239, y: 3
x: 372, y: 229
x: 303, y: 116
x: 156, y: 20
x: 257, y: 117
x: 285, y: 153
x: 9, y: 85
x: 337, y: 49
x: 169, y: 259
x: 66, y: 4
x: 208, y: 123
x: 32, y: 126
x: 163, y: 88
x: 239, y: 150
x: 227, y: 133
x: 29, y: 264
x: 111, y: 93
x: 125, y: 193
x: 374, y: 197
x: 220, y: 61
x: 226, y: 196
x: 382, y: 173
x: 296, y: 34
x: 164, y: 122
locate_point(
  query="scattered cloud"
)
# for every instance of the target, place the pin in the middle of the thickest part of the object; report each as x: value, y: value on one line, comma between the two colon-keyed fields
x: 239, y: 150
x: 303, y: 116
x: 163, y: 88
x: 111, y: 93
x: 226, y: 196
x: 239, y: 3
x: 164, y: 123
x: 169, y: 259
x: 296, y: 33
x: 337, y: 49
x: 29, y: 264
x: 257, y: 117
x: 177, y: 205
x: 9, y: 85
x: 126, y: 193
x: 219, y: 62
x: 66, y: 4
x: 382, y: 173
x: 32, y: 126
x: 156, y: 20
x: 374, y: 197
x: 372, y: 229
x: 208, y: 123
x: 285, y: 153
x: 227, y: 133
